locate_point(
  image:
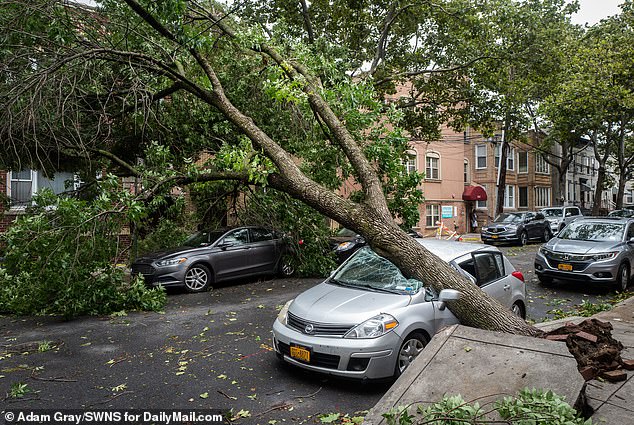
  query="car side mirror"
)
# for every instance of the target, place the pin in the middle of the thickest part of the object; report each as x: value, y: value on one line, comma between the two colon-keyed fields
x: 447, y: 295
x: 539, y: 216
x: 630, y: 240
x: 224, y: 245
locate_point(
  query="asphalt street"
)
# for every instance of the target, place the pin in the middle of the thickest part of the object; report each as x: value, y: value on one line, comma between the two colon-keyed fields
x: 208, y: 351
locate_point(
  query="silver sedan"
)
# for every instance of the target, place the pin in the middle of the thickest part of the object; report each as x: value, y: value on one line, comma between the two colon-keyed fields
x: 368, y: 321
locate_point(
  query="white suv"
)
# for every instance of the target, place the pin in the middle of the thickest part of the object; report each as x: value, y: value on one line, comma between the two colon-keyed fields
x: 559, y: 217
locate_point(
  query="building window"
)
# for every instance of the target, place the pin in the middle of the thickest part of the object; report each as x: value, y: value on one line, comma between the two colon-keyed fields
x: 467, y: 178
x: 522, y: 158
x: 21, y: 188
x: 432, y: 215
x: 523, y: 196
x: 629, y: 197
x: 25, y: 183
x: 510, y: 159
x: 432, y: 166
x: 509, y: 196
x: 542, y: 197
x: 482, y: 204
x: 510, y: 156
x: 410, y: 162
x: 481, y: 156
x: 541, y: 166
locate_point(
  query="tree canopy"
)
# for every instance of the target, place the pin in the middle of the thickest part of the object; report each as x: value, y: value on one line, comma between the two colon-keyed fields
x: 294, y: 96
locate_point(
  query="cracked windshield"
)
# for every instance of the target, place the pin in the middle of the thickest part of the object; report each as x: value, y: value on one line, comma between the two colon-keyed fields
x: 370, y: 271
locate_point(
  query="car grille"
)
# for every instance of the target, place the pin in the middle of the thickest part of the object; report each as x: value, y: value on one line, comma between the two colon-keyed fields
x: 496, y: 229
x: 321, y: 329
x: 578, y: 262
x: 328, y: 361
x: 144, y: 269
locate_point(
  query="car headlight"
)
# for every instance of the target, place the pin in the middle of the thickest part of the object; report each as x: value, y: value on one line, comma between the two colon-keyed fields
x: 171, y: 262
x: 374, y: 327
x: 283, y: 314
x: 605, y: 256
x: 543, y: 251
x: 343, y: 246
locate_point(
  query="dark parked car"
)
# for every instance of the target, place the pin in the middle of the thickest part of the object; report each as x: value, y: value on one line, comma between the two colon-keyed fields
x: 517, y: 227
x: 216, y: 256
x: 622, y: 213
x: 346, y: 242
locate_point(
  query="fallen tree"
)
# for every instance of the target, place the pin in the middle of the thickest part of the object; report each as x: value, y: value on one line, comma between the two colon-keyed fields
x: 97, y: 85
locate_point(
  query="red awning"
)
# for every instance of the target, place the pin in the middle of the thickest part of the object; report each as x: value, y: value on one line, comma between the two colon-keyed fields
x: 474, y: 193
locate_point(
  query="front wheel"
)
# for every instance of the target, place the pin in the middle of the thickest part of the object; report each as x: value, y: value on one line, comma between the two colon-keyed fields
x: 410, y: 349
x: 623, y: 278
x: 286, y: 267
x: 523, y: 238
x: 197, y: 278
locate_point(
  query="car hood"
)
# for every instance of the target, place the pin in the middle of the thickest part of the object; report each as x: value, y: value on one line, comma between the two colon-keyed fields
x: 327, y: 303
x: 580, y: 247
x: 168, y: 253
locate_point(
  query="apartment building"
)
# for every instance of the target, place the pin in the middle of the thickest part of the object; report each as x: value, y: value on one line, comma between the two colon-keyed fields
x: 461, y: 174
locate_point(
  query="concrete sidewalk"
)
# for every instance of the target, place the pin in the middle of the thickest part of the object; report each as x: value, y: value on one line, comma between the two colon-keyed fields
x: 485, y: 366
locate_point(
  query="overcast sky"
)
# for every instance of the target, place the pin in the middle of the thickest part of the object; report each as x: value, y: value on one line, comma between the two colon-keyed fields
x: 592, y: 11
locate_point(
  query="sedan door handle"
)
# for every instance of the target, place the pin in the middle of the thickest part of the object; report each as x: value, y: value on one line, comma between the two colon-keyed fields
x: 507, y: 287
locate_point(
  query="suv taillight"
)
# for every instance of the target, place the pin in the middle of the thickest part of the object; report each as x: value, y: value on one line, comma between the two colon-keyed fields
x: 518, y: 274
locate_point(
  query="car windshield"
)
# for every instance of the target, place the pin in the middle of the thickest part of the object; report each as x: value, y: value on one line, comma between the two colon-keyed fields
x: 203, y: 238
x: 368, y: 270
x: 554, y: 212
x: 508, y: 218
x: 593, y: 231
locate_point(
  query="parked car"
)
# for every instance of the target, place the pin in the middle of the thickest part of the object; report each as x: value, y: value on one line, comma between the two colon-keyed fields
x: 216, y: 256
x: 589, y: 249
x: 346, y: 242
x: 516, y: 227
x: 368, y: 321
x: 627, y: 212
x: 559, y: 217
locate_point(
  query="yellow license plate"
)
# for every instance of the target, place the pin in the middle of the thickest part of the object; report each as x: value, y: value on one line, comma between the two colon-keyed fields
x: 494, y: 236
x: 565, y: 267
x: 300, y: 353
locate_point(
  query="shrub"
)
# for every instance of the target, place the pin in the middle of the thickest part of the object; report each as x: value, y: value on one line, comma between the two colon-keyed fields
x: 59, y: 260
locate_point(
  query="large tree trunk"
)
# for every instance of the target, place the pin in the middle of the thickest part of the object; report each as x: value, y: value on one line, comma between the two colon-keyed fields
x: 499, y: 204
x: 596, y: 205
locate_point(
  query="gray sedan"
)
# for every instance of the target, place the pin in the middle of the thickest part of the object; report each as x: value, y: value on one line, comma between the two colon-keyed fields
x: 368, y: 321
x: 217, y: 256
x: 590, y: 250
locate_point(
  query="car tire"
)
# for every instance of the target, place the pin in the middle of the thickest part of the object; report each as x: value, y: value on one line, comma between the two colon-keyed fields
x: 519, y: 310
x: 523, y: 238
x: 547, y: 235
x: 622, y: 278
x: 197, y: 278
x: 412, y: 346
x: 545, y: 280
x: 286, y: 266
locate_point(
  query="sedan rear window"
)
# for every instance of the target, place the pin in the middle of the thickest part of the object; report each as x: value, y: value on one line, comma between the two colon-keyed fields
x: 600, y: 232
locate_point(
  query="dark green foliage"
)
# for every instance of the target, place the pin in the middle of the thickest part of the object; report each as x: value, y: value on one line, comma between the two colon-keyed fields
x: 298, y: 222
x: 59, y: 259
